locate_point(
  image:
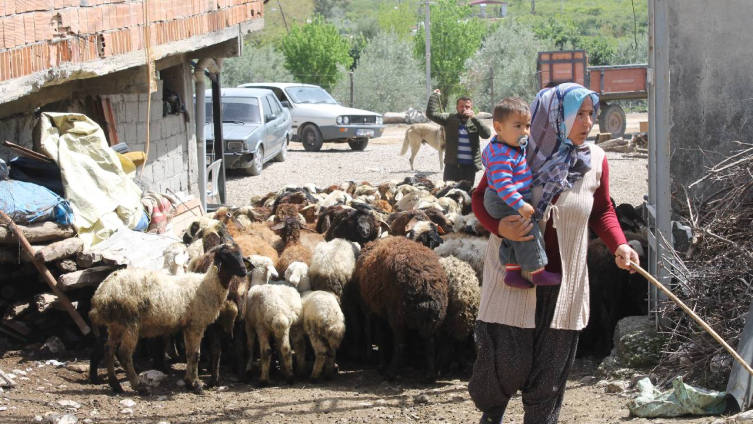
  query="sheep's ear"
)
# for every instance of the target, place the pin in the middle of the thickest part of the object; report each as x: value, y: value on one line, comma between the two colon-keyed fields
x: 279, y: 226
x: 412, y: 223
x: 272, y: 271
x: 441, y: 231
x: 249, y: 265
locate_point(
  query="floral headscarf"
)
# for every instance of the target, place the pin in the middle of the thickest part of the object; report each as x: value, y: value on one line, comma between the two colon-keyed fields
x: 556, y: 163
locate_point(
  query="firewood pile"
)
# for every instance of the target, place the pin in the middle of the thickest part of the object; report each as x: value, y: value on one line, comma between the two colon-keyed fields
x: 33, y: 313
x: 715, y: 274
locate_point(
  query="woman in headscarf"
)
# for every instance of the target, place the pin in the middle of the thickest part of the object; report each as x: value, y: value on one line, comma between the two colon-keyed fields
x: 526, y: 338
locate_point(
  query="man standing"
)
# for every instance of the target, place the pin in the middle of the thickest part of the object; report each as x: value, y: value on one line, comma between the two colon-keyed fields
x: 462, y: 156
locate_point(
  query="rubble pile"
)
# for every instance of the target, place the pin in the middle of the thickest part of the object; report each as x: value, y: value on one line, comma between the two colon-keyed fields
x: 715, y: 274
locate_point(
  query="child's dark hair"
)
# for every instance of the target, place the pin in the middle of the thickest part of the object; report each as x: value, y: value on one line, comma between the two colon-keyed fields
x: 508, y: 106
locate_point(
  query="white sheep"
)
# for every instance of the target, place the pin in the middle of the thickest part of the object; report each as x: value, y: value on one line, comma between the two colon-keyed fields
x: 273, y: 311
x: 324, y: 325
x: 263, y: 271
x: 468, y: 249
x: 297, y: 275
x: 176, y: 258
x: 332, y: 265
x: 135, y: 303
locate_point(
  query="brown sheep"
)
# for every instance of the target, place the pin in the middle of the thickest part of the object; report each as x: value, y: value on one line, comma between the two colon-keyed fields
x: 256, y: 245
x: 404, y: 283
x: 294, y: 250
x: 383, y: 206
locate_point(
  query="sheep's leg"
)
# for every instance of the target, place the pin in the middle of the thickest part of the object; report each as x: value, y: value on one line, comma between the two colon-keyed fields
x: 398, y: 346
x: 320, y: 350
x: 98, y: 352
x: 250, y: 340
x: 369, y: 336
x: 238, y: 347
x: 125, y: 353
x: 266, y: 356
x: 299, y: 345
x: 193, y: 350
x: 329, y: 366
x: 431, y: 374
x: 283, y: 347
x: 215, y: 354
x: 441, y: 162
x: 113, y: 341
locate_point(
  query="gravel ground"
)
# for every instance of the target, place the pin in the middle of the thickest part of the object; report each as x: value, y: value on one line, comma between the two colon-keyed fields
x: 381, y: 161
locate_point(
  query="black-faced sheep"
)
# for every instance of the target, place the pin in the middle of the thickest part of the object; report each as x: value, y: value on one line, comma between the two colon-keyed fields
x: 333, y: 265
x: 324, y: 324
x: 358, y: 224
x: 404, y: 283
x: 135, y: 303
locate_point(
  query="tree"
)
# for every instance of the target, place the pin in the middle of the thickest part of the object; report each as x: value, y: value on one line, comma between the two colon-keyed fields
x: 455, y: 36
x: 314, y: 51
x: 563, y: 32
x: 327, y: 8
x: 398, y: 19
x: 511, y: 52
x: 600, y: 51
x: 258, y: 64
x: 388, y: 78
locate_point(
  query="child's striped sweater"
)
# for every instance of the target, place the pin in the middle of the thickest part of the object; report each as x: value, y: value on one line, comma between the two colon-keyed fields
x: 507, y: 172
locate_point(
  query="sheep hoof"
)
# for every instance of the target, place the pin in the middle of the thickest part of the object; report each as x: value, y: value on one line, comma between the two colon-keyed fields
x: 263, y: 383
x: 198, y: 389
x: 144, y: 392
x: 117, y: 389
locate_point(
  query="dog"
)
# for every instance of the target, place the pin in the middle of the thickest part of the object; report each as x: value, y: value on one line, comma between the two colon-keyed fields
x: 418, y: 134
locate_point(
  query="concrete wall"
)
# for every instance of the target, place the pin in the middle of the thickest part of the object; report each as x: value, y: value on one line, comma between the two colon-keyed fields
x: 711, y: 88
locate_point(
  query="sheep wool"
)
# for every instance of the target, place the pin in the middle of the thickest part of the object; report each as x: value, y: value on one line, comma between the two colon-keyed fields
x: 469, y: 249
x: 332, y: 265
x: 297, y: 275
x: 464, y: 296
x: 324, y: 324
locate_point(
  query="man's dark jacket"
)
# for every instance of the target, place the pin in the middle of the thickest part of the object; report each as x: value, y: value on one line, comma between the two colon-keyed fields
x: 451, y: 124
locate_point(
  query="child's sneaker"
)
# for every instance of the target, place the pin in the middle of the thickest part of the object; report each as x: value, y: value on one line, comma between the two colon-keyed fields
x: 513, y: 278
x: 546, y: 278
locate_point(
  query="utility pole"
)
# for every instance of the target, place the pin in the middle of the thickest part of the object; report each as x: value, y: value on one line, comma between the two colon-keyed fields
x: 283, y: 17
x: 427, y: 29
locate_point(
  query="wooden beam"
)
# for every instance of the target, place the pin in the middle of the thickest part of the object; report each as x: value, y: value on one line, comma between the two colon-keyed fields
x: 47, y: 276
x: 36, y: 233
x: 60, y: 249
x: 91, y: 277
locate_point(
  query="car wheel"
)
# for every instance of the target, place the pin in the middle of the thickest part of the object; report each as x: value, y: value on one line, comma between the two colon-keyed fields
x: 358, y: 144
x: 257, y: 164
x: 311, y: 138
x: 283, y: 154
x: 612, y: 120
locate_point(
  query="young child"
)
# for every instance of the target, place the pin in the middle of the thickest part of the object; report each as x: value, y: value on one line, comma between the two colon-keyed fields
x: 509, y: 193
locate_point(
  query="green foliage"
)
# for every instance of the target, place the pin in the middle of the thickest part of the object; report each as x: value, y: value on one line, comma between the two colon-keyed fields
x: 258, y: 64
x: 274, y: 27
x: 387, y: 79
x: 330, y: 8
x: 628, y: 53
x: 398, y: 19
x: 562, y: 32
x: 455, y: 37
x: 357, y: 44
x: 314, y: 51
x: 511, y: 51
x: 600, y: 51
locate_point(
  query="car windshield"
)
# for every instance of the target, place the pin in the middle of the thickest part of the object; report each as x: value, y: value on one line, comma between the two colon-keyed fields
x: 303, y: 94
x: 244, y: 110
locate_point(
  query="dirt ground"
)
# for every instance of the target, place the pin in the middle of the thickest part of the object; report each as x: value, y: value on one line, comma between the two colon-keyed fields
x: 356, y: 395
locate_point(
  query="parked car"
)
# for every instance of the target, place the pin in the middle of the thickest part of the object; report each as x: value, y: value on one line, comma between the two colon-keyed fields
x: 255, y: 129
x: 318, y: 118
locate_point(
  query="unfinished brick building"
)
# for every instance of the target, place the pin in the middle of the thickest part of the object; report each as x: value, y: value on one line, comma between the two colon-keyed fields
x: 90, y: 56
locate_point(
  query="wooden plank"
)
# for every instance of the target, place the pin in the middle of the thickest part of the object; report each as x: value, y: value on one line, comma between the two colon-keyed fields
x: 60, y: 249
x: 91, y: 277
x: 18, y: 233
x: 37, y: 232
x: 26, y: 152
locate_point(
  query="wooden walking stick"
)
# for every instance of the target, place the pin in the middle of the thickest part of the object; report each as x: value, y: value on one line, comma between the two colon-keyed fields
x: 47, y: 276
x: 692, y: 314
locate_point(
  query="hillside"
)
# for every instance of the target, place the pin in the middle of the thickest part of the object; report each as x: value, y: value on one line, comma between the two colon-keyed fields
x: 296, y: 12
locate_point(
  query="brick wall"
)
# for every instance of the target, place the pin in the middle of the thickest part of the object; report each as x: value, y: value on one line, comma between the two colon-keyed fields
x: 168, y: 164
x: 37, y: 35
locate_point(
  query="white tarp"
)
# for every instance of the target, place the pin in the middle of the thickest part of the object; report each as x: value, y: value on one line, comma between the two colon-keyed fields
x: 102, y: 197
x: 681, y: 400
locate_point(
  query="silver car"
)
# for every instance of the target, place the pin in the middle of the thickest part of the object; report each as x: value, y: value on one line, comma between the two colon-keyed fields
x: 255, y: 128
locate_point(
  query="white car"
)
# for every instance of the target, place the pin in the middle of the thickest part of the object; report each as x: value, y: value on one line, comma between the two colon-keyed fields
x: 318, y: 118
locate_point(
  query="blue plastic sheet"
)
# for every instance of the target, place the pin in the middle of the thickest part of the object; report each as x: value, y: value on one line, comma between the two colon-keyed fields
x: 26, y: 203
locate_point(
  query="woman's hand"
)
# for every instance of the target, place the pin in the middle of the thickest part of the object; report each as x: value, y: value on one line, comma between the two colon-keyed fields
x: 624, y: 256
x: 515, y: 228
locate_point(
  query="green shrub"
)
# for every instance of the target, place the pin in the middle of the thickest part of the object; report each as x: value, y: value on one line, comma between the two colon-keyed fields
x: 258, y: 64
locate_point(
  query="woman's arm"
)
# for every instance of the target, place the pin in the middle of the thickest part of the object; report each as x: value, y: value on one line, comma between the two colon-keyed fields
x: 515, y: 227
x: 603, y: 219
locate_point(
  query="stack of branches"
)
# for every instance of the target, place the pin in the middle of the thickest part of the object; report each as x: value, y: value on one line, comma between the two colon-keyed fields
x: 715, y: 274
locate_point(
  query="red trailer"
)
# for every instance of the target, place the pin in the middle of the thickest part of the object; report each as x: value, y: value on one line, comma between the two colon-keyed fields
x: 612, y: 83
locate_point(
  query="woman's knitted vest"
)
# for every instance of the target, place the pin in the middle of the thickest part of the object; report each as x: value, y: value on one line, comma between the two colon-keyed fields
x: 517, y: 307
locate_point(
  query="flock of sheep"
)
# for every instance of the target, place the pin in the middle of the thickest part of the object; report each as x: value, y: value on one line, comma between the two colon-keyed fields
x: 299, y: 267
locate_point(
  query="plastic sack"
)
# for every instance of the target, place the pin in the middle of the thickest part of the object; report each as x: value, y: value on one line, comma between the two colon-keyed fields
x: 26, y: 203
x: 681, y: 400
